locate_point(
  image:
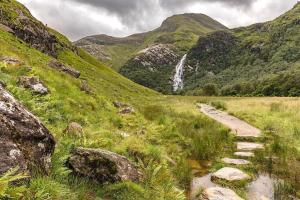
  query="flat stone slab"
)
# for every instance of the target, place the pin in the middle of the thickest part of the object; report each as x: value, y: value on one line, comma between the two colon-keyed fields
x: 262, y: 188
x: 244, y: 154
x: 249, y: 146
x: 230, y: 174
x: 199, y: 183
x: 236, y: 161
x: 239, y: 127
x: 219, y: 193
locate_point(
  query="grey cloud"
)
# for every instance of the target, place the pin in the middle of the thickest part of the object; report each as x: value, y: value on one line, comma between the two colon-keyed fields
x: 79, y: 18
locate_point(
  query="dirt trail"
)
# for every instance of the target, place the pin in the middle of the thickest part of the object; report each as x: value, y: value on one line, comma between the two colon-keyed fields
x: 241, y: 128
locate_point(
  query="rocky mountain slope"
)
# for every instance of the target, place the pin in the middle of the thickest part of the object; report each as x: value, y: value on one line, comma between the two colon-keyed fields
x: 182, y: 31
x: 262, y: 59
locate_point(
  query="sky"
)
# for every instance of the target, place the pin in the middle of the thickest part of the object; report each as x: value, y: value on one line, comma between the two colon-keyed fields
x: 80, y: 18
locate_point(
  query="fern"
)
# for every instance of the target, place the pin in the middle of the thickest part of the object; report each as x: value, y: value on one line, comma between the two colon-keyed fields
x: 7, y: 189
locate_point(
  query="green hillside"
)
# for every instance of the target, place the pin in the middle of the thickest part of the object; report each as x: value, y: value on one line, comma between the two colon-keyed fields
x: 154, y: 136
x: 182, y: 31
x: 262, y: 59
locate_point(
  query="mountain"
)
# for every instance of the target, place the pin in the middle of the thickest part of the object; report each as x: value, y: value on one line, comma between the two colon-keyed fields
x: 182, y: 31
x: 262, y: 59
x: 63, y: 112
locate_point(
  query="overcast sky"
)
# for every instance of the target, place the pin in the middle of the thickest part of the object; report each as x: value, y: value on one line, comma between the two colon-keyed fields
x: 79, y: 18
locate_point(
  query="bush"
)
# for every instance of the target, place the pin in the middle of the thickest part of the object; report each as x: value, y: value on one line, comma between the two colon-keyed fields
x: 210, y: 90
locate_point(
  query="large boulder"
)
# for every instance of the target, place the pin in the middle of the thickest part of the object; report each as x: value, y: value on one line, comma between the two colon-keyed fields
x: 64, y: 68
x: 24, y: 141
x: 102, y: 166
x: 33, y: 83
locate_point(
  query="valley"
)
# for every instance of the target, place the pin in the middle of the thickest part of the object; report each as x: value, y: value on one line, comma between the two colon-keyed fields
x: 73, y: 128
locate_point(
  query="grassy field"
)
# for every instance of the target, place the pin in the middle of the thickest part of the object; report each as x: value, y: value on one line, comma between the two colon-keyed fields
x: 278, y: 118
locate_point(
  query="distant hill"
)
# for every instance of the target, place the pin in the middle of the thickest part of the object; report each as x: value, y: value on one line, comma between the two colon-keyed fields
x: 182, y: 31
x: 262, y: 59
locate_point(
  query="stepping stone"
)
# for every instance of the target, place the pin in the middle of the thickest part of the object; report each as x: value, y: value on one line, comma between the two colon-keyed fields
x: 219, y: 193
x: 236, y: 161
x: 244, y: 154
x: 248, y: 146
x: 230, y: 174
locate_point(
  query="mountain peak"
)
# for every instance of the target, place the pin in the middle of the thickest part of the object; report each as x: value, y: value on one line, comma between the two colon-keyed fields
x: 175, y: 21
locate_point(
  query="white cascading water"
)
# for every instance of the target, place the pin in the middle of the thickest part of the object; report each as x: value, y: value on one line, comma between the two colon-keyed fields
x: 178, y: 81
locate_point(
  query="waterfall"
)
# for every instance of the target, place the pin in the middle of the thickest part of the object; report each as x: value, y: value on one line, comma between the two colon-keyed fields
x: 177, y: 81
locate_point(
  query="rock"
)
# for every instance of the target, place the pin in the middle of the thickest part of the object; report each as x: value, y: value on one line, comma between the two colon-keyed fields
x: 25, y: 141
x: 10, y: 60
x: 85, y: 87
x: 236, y: 161
x: 244, y: 154
x: 102, y: 166
x: 6, y: 28
x: 127, y: 110
x: 219, y: 193
x: 33, y: 83
x: 248, y: 146
x: 230, y: 174
x: 118, y: 104
x: 74, y: 129
x: 61, y: 67
x: 24, y: 26
x: 2, y: 84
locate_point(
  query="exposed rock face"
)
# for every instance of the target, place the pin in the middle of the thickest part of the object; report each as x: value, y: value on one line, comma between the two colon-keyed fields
x: 61, y: 67
x: 219, y: 193
x: 153, y: 67
x: 230, y: 174
x: 102, y: 166
x: 84, y: 86
x: 157, y: 55
x: 118, y: 104
x: 127, y: 110
x: 96, y: 50
x: 33, y: 83
x: 74, y: 129
x: 19, y: 21
x: 25, y: 141
x: 10, y: 60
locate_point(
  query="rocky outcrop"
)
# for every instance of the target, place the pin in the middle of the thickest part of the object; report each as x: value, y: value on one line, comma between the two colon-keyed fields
x: 63, y: 68
x: 156, y: 55
x: 84, y: 86
x: 74, y: 129
x: 219, y: 193
x: 24, y: 141
x: 119, y: 104
x: 16, y: 19
x: 153, y: 67
x: 33, y: 83
x: 102, y: 166
x: 10, y: 60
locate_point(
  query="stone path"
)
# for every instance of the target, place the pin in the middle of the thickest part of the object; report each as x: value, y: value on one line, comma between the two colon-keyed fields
x: 239, y: 127
x: 260, y: 189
